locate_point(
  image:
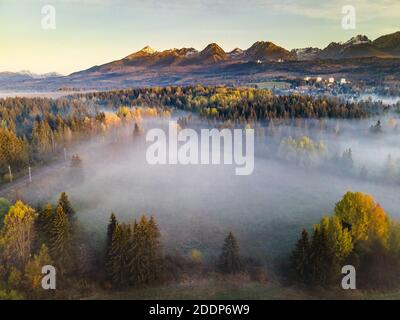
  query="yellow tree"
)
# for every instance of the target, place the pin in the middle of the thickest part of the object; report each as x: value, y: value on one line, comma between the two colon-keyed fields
x: 18, y: 234
x: 338, y: 237
x: 379, y: 224
x: 366, y: 219
x: 13, y: 150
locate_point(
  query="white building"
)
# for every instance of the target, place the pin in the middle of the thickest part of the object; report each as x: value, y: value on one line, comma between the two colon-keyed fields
x: 331, y: 80
x: 343, y: 81
x: 319, y: 79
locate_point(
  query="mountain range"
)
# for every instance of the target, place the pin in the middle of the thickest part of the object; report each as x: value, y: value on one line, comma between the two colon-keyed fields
x: 27, y: 75
x: 262, y: 51
x: 187, y: 57
x: 188, y: 65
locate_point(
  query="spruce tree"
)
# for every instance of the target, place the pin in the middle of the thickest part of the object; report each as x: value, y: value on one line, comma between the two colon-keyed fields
x: 320, y: 257
x: 60, y: 245
x: 44, y: 223
x: 64, y: 202
x: 110, y: 231
x: 139, y: 253
x: 347, y: 160
x: 301, y: 258
x: 145, y: 255
x: 117, y: 266
x: 155, y: 251
x: 229, y: 261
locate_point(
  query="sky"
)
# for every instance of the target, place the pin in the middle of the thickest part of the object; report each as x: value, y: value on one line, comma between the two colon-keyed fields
x: 93, y: 32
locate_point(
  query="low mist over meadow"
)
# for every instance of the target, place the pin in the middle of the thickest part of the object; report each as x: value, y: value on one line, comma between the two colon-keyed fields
x: 196, y: 205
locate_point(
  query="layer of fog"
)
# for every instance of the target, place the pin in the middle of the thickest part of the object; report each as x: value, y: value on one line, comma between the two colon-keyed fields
x: 386, y: 100
x: 196, y: 205
x: 37, y: 94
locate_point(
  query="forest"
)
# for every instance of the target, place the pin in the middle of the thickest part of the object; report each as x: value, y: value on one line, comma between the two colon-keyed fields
x: 359, y: 233
x: 239, y: 103
x: 115, y: 227
x: 132, y: 255
x: 32, y: 129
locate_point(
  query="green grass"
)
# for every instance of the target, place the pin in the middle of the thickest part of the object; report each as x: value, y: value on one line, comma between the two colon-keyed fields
x: 213, y: 288
x: 236, y: 288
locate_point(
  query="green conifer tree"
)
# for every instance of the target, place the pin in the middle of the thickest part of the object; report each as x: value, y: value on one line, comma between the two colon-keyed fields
x: 145, y: 255
x: 229, y: 261
x: 155, y: 251
x: 320, y: 257
x: 110, y: 231
x: 139, y: 254
x: 301, y: 258
x: 118, y: 263
x: 60, y: 243
x: 64, y: 202
x: 44, y: 224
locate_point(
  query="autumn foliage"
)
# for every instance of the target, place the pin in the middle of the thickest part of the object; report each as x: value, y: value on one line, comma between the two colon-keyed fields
x: 358, y: 231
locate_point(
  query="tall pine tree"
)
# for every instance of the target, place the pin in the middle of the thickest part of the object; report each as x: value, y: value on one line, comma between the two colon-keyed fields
x: 145, y: 255
x: 301, y: 258
x: 112, y: 225
x: 229, y: 261
x: 320, y: 257
x: 155, y: 251
x: 118, y: 263
x: 44, y: 224
x: 64, y: 202
x: 110, y: 231
x: 60, y: 243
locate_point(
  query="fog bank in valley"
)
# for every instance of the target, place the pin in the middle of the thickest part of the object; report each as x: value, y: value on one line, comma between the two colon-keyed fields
x: 196, y: 205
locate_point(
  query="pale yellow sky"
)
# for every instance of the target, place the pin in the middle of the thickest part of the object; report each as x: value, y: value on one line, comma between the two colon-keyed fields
x: 91, y: 32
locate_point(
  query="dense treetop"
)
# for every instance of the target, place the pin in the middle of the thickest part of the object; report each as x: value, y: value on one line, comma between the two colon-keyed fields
x: 241, y: 103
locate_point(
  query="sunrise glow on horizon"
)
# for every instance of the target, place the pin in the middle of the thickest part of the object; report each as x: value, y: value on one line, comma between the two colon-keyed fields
x: 93, y: 32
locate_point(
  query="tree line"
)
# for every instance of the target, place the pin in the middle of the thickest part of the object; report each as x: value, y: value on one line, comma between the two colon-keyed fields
x: 131, y: 257
x: 32, y: 238
x: 237, y: 104
x: 359, y: 233
x: 34, y: 130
